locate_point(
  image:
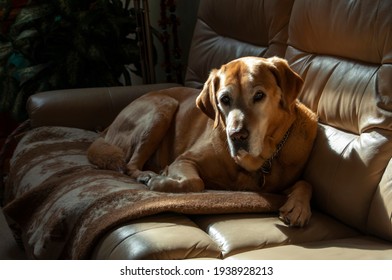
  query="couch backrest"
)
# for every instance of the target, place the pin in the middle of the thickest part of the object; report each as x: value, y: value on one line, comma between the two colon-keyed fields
x: 228, y: 29
x: 343, y: 50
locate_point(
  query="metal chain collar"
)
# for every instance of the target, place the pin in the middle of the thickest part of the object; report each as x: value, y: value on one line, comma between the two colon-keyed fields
x: 267, y: 166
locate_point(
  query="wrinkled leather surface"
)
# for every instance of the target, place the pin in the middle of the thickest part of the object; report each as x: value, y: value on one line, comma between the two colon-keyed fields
x: 344, y: 64
x: 226, y: 30
x: 164, y: 236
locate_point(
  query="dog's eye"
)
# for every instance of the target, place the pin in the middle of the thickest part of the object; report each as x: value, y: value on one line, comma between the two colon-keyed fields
x: 259, y: 96
x: 225, y: 100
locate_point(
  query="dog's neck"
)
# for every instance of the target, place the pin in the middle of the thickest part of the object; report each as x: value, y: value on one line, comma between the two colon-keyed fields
x: 266, y: 168
x: 293, y: 113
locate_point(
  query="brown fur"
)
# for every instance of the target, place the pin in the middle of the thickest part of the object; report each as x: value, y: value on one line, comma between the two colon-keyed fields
x: 163, y: 140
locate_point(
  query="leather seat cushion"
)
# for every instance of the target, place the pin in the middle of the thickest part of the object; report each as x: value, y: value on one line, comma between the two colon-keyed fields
x: 176, y: 236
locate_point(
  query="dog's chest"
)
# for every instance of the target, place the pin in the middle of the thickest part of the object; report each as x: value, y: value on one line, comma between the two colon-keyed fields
x: 234, y: 179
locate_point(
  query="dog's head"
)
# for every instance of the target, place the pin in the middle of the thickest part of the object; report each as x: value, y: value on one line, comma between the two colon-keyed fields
x: 252, y: 99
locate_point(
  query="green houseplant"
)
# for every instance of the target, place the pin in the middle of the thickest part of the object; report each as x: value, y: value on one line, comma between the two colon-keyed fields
x: 58, y: 44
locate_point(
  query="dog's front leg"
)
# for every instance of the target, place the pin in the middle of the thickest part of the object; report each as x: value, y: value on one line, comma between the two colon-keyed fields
x: 180, y: 176
x: 296, y: 211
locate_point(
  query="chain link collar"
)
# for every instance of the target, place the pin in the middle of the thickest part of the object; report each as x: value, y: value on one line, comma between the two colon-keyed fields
x: 267, y: 166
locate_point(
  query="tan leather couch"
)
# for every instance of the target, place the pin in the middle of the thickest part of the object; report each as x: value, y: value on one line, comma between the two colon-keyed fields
x: 343, y: 51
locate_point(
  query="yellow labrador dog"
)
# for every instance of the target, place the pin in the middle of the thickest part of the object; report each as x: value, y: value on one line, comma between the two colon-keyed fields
x: 244, y: 131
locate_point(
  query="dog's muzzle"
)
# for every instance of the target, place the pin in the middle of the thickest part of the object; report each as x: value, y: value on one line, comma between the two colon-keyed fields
x: 237, y: 133
x: 239, y: 140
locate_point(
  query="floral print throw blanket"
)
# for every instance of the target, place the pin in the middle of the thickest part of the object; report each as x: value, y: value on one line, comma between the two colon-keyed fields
x: 60, y: 205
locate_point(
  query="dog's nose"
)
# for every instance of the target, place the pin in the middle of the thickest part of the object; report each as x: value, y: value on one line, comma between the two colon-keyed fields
x: 239, y: 135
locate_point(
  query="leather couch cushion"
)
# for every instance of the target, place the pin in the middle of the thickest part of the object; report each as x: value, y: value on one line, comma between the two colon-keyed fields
x: 176, y: 236
x: 349, y: 85
x: 163, y: 236
x: 358, y: 30
x: 225, y: 31
x: 245, y: 232
x: 357, y: 248
x: 345, y: 170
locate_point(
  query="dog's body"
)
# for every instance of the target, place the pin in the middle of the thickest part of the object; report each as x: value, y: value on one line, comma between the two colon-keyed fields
x: 244, y: 131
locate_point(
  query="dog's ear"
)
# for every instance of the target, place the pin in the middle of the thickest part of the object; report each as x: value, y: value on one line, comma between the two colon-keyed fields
x: 206, y: 101
x: 289, y: 81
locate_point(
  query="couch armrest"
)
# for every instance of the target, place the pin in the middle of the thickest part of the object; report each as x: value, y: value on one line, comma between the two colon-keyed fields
x: 88, y: 108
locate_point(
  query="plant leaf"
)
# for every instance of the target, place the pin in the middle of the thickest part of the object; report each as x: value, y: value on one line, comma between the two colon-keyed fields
x: 31, y: 13
x: 28, y: 73
x: 27, y: 34
x: 5, y: 50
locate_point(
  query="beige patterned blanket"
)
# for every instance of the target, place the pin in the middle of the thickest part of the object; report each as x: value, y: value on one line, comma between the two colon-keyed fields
x: 60, y: 205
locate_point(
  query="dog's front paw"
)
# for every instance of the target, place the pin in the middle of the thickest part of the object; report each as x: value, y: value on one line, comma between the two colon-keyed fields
x: 295, y: 212
x: 142, y: 177
x: 145, y: 177
x: 161, y: 183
